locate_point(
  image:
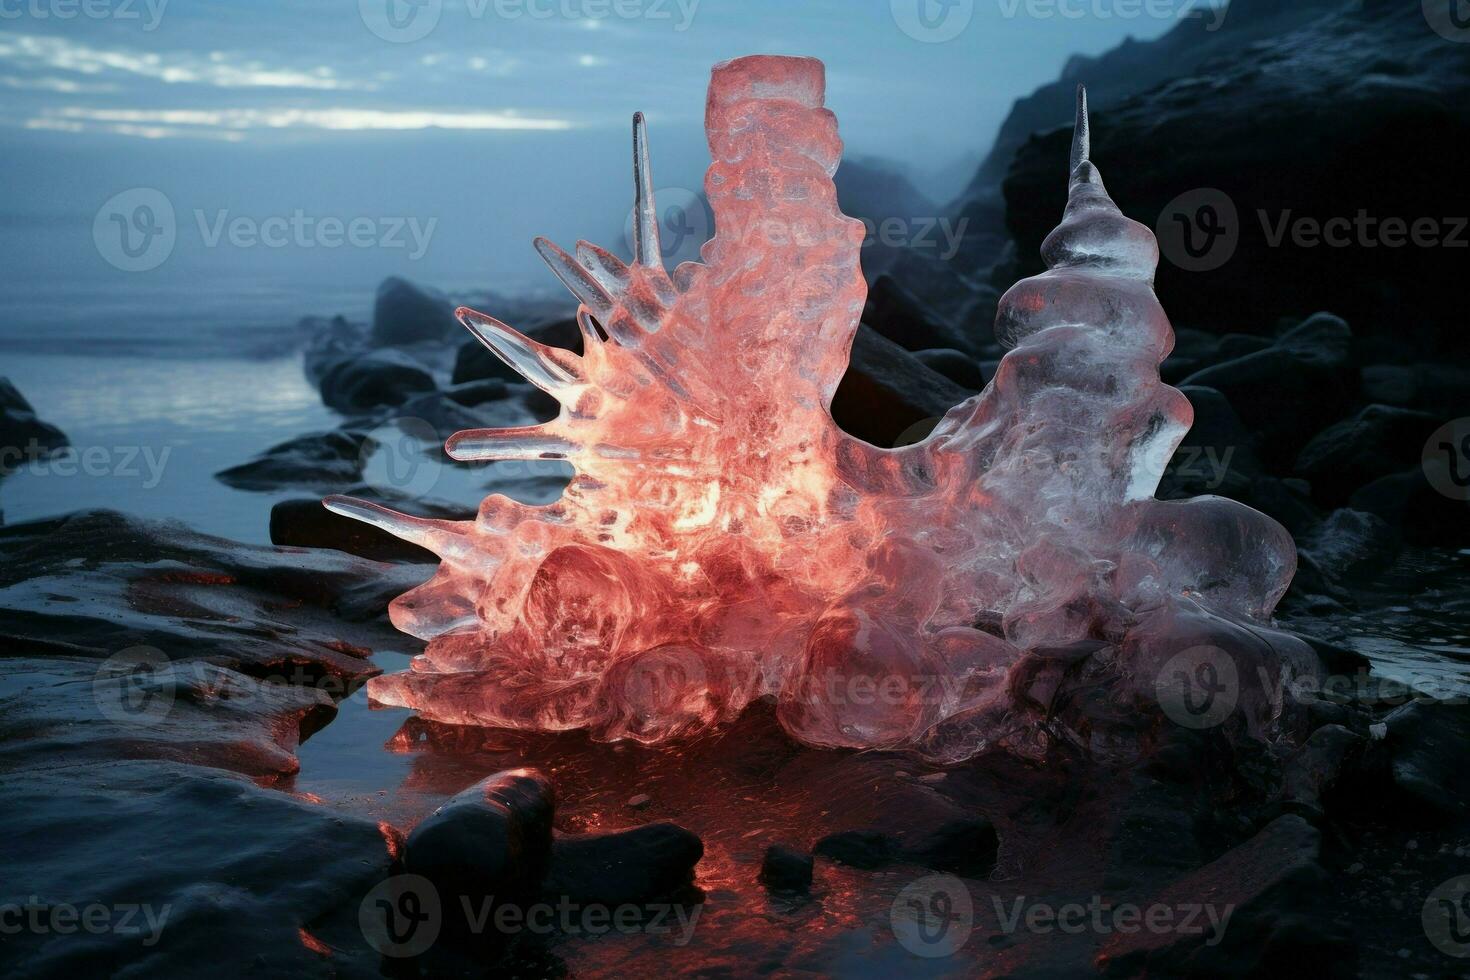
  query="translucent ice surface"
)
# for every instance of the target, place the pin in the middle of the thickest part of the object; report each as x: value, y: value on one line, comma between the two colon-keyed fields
x: 1009, y: 580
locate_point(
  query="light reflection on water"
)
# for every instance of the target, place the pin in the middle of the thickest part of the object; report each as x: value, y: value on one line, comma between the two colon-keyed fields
x: 149, y: 434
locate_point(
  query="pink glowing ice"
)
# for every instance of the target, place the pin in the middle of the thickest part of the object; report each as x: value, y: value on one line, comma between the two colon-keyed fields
x: 723, y: 539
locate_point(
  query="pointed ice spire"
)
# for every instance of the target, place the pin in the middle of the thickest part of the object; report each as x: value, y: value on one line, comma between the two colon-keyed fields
x: 646, y: 248
x: 552, y: 370
x: 441, y: 537
x: 1081, y: 132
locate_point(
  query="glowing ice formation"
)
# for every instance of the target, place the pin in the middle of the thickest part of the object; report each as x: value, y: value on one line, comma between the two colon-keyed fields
x: 1007, y: 580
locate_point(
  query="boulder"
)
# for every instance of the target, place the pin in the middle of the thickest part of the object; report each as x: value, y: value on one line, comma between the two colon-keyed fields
x: 1380, y: 440
x: 1351, y: 544
x: 1215, y: 148
x: 198, y: 870
x: 1442, y: 390
x: 362, y: 382
x: 1426, y: 744
x: 1267, y: 388
x: 474, y: 361
x: 901, y: 317
x: 492, y: 840
x: 143, y: 707
x: 1264, y: 895
x: 1422, y: 514
x: 404, y: 313
x: 97, y: 583
x: 305, y: 523
x: 626, y: 867
x: 957, y: 366
x: 327, y: 461
x: 888, y: 392
x: 786, y: 870
x: 22, y: 435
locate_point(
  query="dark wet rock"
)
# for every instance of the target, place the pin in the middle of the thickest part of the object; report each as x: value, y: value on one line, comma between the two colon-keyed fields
x: 1289, y: 503
x: 235, y: 877
x: 1442, y: 390
x: 902, y: 317
x: 146, y: 708
x: 866, y: 849
x: 1331, y: 755
x: 1272, y: 887
x: 887, y: 392
x: 1236, y: 345
x: 405, y: 313
x: 1422, y: 514
x: 957, y: 366
x: 22, y: 435
x: 1371, y: 82
x: 95, y: 583
x: 305, y: 523
x: 784, y: 869
x: 329, y: 342
x: 489, y: 403
x: 1351, y: 544
x: 474, y: 362
x: 322, y: 460
x: 1322, y: 340
x: 361, y: 382
x: 1379, y: 441
x: 1193, y: 350
x: 957, y: 298
x: 1132, y: 67
x: 491, y: 840
x: 879, y: 816
x: 622, y: 867
x: 1426, y: 744
x: 1265, y: 388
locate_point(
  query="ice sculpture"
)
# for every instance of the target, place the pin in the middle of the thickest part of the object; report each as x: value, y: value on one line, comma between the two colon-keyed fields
x: 1008, y: 580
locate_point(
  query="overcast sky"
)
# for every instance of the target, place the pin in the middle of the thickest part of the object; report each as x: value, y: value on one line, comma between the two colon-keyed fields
x: 498, y: 118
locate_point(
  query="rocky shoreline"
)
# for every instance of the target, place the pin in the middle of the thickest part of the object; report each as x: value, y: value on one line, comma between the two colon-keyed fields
x: 157, y: 683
